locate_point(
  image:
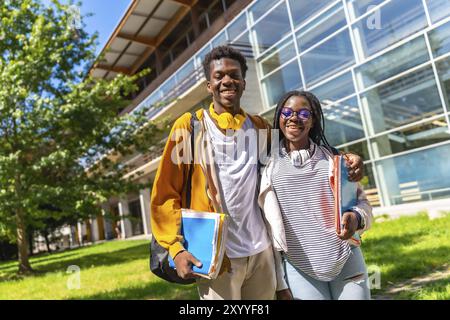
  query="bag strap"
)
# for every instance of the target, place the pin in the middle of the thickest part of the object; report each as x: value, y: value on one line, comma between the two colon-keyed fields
x: 191, y: 166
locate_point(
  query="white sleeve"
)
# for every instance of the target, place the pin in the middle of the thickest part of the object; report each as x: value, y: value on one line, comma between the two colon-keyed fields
x: 364, y: 208
x: 279, y: 269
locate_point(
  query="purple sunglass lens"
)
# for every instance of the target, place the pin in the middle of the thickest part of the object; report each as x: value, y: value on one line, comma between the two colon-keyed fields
x: 303, y: 113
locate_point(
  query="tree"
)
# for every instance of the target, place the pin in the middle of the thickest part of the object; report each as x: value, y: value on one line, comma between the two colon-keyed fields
x: 60, y: 133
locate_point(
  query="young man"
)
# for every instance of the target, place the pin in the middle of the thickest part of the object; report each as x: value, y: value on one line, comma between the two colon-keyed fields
x: 229, y: 184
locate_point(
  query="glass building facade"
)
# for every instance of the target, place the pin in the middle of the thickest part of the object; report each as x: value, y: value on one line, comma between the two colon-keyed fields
x: 380, y: 68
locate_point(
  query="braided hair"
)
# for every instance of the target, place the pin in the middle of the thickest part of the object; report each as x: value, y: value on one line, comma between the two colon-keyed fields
x: 317, y: 132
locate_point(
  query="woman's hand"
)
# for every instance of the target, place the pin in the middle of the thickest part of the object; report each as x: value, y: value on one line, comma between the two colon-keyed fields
x: 350, y: 225
x: 355, y: 167
x: 284, y: 294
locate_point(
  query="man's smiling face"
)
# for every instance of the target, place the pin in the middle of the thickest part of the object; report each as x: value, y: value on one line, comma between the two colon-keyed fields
x: 226, y: 84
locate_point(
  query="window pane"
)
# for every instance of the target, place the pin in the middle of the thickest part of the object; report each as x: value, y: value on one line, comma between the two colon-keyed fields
x: 330, y: 57
x: 229, y: 3
x: 368, y: 180
x: 302, y: 10
x: 440, y: 40
x: 277, y: 56
x: 414, y: 137
x: 359, y: 148
x: 167, y: 60
x: 272, y: 28
x: 186, y: 76
x: 398, y: 19
x: 215, y: 12
x: 203, y: 22
x: 438, y: 9
x: 369, y: 186
x: 155, y: 102
x: 359, y: 7
x: 252, y: 99
x: 335, y: 89
x: 417, y: 176
x: 405, y: 100
x: 220, y: 40
x: 201, y: 55
x: 180, y: 47
x: 168, y: 86
x: 260, y: 8
x: 343, y: 122
x: 282, y: 81
x: 148, y: 102
x: 443, y: 69
x: 238, y: 26
x: 393, y: 62
x: 244, y: 46
x: 321, y: 27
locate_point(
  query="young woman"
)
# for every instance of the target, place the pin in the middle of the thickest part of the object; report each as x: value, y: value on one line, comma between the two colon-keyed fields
x: 297, y: 199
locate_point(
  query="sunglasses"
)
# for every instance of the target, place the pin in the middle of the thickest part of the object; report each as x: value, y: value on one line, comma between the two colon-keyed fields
x: 303, y: 114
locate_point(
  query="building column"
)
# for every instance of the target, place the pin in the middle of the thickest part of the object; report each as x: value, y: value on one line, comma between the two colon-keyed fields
x: 80, y: 233
x: 144, y: 197
x: 125, y: 224
x: 94, y: 230
x: 70, y: 237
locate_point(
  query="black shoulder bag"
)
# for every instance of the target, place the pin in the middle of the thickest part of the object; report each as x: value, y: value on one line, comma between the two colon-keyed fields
x: 159, y: 256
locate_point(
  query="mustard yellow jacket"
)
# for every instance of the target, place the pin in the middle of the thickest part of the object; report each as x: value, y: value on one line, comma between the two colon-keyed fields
x: 168, y: 193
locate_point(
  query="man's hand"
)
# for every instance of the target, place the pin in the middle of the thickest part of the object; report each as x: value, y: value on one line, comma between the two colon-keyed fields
x: 183, y: 263
x: 350, y: 225
x: 284, y: 294
x: 355, y: 167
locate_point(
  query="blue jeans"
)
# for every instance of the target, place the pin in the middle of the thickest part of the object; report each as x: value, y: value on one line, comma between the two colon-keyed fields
x: 351, y: 284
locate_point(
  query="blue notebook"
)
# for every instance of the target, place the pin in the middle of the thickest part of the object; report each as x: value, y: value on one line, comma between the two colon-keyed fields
x: 204, y: 236
x: 346, y: 195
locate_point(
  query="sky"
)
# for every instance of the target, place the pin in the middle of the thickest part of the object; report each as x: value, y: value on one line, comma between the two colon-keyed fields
x: 106, y: 16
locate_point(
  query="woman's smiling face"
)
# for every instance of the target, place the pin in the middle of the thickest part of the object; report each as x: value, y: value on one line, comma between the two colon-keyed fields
x: 296, y: 127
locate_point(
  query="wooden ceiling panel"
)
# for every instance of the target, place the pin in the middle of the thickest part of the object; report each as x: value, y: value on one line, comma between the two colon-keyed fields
x: 133, y: 24
x: 152, y: 28
x: 126, y: 61
x: 136, y: 48
x: 119, y: 44
x: 167, y: 9
x: 146, y: 6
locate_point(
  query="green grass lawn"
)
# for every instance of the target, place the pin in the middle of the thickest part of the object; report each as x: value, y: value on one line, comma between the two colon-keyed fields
x: 402, y: 249
x: 407, y: 248
x: 111, y: 270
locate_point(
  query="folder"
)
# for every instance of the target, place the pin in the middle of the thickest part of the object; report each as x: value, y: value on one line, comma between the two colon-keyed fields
x: 204, y: 236
x: 346, y: 195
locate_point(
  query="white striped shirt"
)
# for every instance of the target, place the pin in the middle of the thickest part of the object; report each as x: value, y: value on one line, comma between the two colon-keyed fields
x: 306, y: 202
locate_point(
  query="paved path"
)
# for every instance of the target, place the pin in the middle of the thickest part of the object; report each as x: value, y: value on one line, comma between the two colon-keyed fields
x: 414, y: 283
